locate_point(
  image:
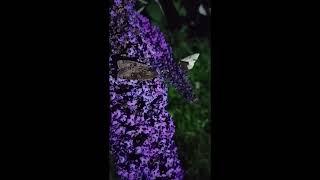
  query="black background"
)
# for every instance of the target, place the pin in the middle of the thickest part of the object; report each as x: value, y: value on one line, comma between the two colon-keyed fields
x: 54, y: 97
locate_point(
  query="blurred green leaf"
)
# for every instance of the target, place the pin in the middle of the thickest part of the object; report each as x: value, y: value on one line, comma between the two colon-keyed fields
x: 156, y: 15
x: 143, y: 1
x: 141, y: 9
x: 180, y: 9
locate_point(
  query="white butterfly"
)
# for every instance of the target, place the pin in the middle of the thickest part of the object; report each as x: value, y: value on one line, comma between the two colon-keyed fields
x: 190, y: 60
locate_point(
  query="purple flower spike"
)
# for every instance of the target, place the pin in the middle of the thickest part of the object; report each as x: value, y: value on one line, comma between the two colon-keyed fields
x: 141, y: 129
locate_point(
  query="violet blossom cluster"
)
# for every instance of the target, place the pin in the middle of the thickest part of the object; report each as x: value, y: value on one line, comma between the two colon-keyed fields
x: 141, y: 129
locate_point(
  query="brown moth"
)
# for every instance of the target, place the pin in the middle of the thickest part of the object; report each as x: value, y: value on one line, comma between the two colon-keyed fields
x: 134, y: 71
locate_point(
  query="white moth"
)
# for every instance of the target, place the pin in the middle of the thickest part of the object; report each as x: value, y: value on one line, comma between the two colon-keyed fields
x: 202, y: 10
x: 191, y: 60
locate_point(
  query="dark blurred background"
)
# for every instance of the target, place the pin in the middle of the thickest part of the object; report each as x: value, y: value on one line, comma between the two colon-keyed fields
x: 186, y: 25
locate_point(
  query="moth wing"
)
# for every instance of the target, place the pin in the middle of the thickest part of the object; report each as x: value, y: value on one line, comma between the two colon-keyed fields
x: 124, y: 73
x: 147, y: 74
x: 125, y: 64
x: 144, y: 72
x: 202, y: 10
x: 191, y: 60
x: 192, y: 57
x: 135, y: 71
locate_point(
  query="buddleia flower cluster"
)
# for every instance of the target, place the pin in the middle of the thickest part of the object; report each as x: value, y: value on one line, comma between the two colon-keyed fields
x: 141, y: 130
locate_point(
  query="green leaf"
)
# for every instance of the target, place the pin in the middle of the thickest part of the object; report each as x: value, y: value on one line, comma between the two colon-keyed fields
x: 183, y: 12
x: 157, y: 17
x: 180, y: 9
x: 143, y: 1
